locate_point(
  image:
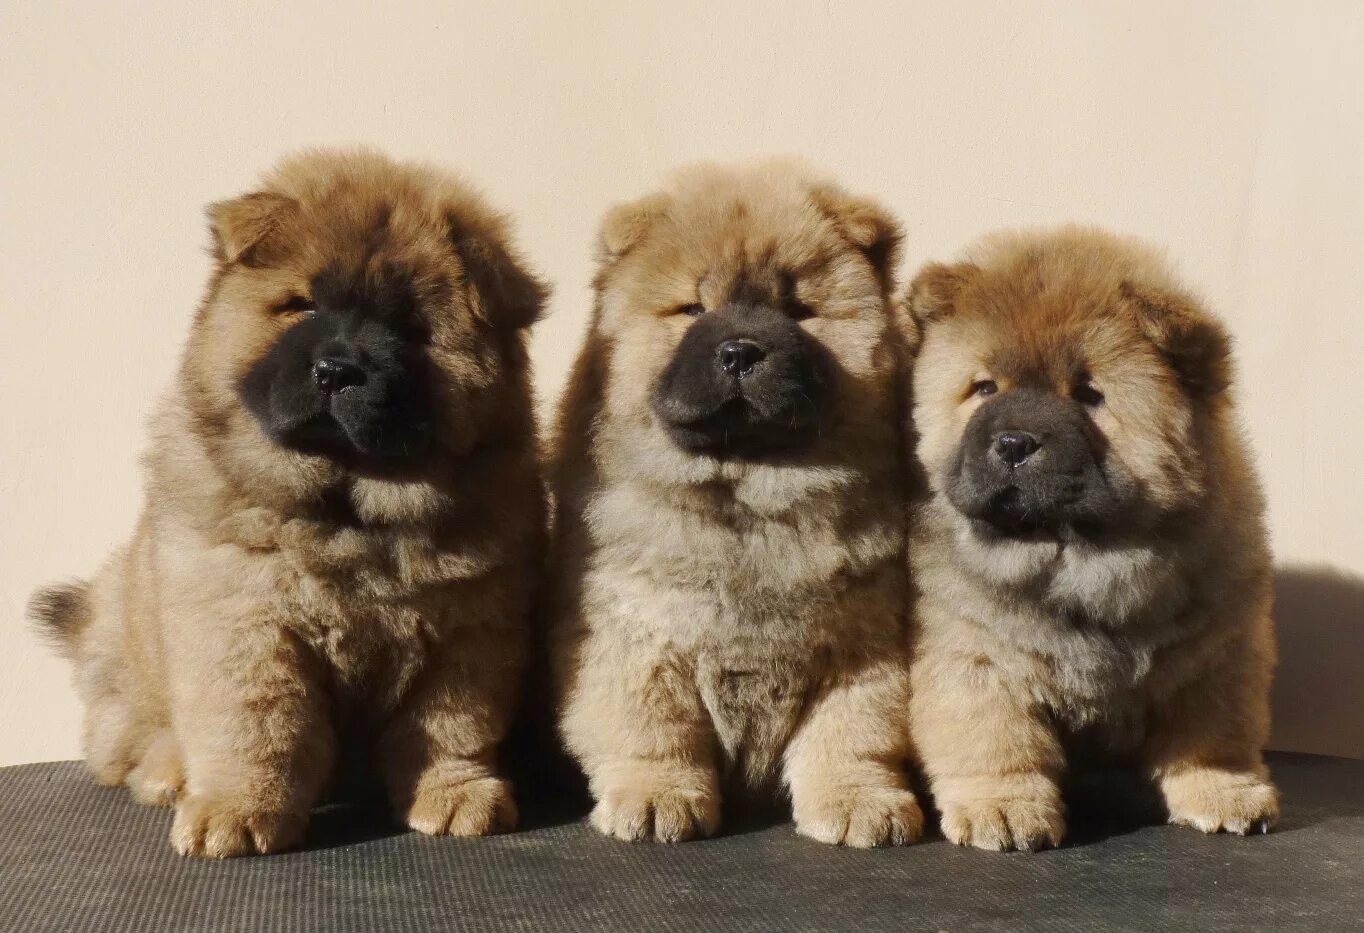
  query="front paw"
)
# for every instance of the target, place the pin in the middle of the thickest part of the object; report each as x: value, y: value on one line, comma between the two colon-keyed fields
x: 213, y: 827
x: 859, y: 817
x: 1213, y: 801
x: 660, y: 809
x: 475, y: 807
x: 1004, y: 823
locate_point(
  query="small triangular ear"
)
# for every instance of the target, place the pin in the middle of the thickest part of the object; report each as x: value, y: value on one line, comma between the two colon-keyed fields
x: 933, y: 293
x: 625, y: 225
x: 931, y: 297
x: 242, y: 227
x: 866, y: 223
x: 501, y: 290
x: 1195, y: 344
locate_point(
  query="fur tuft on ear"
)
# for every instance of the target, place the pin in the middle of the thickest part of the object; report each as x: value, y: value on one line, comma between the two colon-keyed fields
x: 242, y: 227
x: 501, y: 290
x: 1195, y: 343
x: 626, y: 224
x: 867, y: 224
x: 934, y: 291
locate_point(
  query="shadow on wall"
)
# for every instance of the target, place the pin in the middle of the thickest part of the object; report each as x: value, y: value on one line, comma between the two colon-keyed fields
x: 1319, y: 686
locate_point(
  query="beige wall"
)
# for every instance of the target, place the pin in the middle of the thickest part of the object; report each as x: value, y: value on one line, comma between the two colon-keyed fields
x: 1233, y: 132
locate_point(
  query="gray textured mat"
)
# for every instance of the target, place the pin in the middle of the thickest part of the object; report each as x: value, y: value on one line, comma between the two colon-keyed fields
x: 77, y: 857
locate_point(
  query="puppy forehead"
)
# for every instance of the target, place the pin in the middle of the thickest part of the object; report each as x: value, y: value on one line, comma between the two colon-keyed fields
x: 370, y: 249
x: 377, y: 226
x: 735, y: 252
x: 756, y: 231
x: 1059, y: 330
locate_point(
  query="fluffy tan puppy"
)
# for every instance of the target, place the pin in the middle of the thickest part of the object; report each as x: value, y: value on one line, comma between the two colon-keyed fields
x: 730, y: 579
x: 342, y: 523
x: 1091, y: 560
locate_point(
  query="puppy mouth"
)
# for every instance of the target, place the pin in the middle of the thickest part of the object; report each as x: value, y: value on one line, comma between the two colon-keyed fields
x: 1008, y: 512
x: 1011, y: 513
x: 318, y: 434
x: 368, y: 442
x: 736, y: 429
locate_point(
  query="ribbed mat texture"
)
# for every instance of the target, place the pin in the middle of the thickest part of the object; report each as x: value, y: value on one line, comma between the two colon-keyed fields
x: 77, y: 857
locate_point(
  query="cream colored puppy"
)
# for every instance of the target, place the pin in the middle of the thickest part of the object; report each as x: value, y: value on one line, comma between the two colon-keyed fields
x: 730, y: 572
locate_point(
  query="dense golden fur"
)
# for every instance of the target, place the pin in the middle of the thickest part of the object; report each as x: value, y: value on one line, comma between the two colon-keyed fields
x: 1153, y: 643
x: 280, y: 619
x: 722, y: 622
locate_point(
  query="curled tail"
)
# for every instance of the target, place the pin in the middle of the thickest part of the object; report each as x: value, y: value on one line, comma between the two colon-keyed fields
x: 60, y: 612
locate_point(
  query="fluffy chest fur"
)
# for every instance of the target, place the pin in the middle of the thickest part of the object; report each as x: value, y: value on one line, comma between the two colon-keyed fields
x: 751, y: 606
x: 372, y: 606
x: 1080, y: 628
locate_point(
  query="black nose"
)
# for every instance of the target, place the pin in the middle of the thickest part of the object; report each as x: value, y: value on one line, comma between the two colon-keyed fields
x: 333, y: 375
x: 738, y: 357
x: 1013, y: 447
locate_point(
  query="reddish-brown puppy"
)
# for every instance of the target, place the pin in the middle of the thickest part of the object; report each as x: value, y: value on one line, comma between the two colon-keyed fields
x: 1091, y: 558
x: 343, y: 520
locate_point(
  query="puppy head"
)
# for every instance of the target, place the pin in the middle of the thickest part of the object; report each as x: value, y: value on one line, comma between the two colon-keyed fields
x: 1062, y: 386
x: 743, y: 310
x: 365, y: 319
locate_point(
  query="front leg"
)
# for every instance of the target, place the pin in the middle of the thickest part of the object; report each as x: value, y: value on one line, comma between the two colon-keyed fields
x: 1205, y: 743
x: 845, y: 764
x: 249, y: 714
x: 992, y: 759
x: 439, y: 749
x: 635, y: 720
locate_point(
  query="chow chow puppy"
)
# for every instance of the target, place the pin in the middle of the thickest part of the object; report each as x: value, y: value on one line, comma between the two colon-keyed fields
x: 343, y: 520
x: 729, y: 556
x: 1091, y: 562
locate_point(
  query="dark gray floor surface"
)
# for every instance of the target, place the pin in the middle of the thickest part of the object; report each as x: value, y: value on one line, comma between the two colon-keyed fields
x: 76, y: 857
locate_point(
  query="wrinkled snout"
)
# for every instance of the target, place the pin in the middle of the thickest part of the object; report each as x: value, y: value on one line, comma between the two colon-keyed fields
x: 344, y: 386
x: 1030, y: 461
x: 744, y: 380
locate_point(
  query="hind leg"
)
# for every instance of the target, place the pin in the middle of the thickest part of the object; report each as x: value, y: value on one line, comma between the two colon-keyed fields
x: 116, y: 730
x: 114, y: 738
x: 160, y: 775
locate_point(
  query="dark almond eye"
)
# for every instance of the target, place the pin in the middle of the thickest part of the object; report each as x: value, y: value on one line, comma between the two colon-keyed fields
x: 1086, y: 394
x: 799, y: 310
x: 984, y: 387
x: 296, y: 304
x: 692, y: 310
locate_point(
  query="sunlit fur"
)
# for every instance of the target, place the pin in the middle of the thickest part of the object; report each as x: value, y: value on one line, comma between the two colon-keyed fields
x: 281, y: 619
x: 735, y: 622
x: 1149, y: 635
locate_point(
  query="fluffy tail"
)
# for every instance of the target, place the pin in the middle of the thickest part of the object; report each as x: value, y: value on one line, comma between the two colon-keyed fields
x: 60, y: 612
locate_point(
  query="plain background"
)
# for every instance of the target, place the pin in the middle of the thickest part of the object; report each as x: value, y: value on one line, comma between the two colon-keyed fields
x: 1232, y: 133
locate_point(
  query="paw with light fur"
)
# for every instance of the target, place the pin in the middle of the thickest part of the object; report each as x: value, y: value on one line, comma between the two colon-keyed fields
x: 658, y: 810
x: 1214, y: 801
x: 216, y: 827
x: 159, y: 776
x: 1003, y: 824
x: 859, y: 817
x: 476, y: 807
